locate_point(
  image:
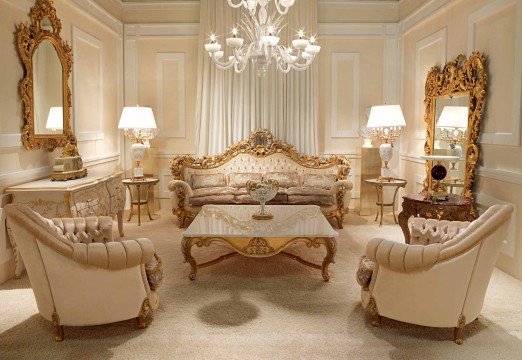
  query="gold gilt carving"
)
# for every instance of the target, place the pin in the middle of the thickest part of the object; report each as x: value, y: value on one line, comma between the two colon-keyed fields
x: 249, y: 147
x: 258, y: 246
x: 29, y: 36
x: 462, y: 75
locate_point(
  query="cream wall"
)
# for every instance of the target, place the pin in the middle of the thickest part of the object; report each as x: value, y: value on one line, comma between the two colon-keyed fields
x: 493, y: 27
x: 97, y: 94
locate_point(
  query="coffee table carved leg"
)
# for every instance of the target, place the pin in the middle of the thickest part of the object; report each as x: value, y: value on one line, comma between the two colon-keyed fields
x: 331, y: 249
x: 186, y: 246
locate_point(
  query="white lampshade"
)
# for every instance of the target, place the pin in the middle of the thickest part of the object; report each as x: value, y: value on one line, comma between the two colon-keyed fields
x: 137, y: 118
x: 55, y: 119
x: 453, y: 117
x: 386, y: 116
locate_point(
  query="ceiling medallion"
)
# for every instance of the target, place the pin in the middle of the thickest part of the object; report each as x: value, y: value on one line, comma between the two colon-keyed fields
x: 262, y: 44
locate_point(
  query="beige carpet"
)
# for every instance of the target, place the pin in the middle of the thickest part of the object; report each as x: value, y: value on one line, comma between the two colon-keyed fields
x: 266, y: 309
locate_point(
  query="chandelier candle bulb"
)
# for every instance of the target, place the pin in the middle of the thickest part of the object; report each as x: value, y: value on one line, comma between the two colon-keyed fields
x: 261, y: 45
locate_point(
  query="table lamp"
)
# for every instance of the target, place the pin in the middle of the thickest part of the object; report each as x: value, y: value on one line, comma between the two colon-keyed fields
x: 139, y: 126
x: 453, y: 122
x: 55, y: 119
x: 386, y: 122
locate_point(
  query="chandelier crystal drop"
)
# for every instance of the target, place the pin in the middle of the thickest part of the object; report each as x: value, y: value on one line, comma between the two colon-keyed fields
x: 262, y: 46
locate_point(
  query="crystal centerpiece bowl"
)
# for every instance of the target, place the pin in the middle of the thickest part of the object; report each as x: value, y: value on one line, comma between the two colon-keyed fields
x: 262, y: 191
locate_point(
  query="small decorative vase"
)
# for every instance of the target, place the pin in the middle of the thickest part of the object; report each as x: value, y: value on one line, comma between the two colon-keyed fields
x: 262, y: 191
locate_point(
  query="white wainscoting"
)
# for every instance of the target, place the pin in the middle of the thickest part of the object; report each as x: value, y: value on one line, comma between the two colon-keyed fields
x: 336, y: 81
x: 162, y: 59
x: 484, y: 201
x: 435, y: 38
x: 95, y: 110
x: 512, y: 137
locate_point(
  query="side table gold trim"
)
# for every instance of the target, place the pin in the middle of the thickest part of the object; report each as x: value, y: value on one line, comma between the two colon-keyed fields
x: 379, y: 187
x: 149, y: 182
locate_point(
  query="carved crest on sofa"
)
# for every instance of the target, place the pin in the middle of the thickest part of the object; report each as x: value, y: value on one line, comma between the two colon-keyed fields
x: 253, y: 147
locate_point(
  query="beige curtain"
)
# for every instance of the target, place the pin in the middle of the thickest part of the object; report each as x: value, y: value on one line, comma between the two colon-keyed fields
x: 229, y: 106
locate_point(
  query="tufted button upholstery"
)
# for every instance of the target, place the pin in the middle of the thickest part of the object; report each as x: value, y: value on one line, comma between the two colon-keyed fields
x: 431, y: 231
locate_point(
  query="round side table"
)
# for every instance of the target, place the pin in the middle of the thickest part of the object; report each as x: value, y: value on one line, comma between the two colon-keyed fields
x: 379, y: 187
x: 138, y: 183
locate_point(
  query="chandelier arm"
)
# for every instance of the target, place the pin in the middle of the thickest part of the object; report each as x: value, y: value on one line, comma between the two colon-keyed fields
x: 223, y: 65
x: 235, y: 6
x: 280, y: 66
x: 282, y: 12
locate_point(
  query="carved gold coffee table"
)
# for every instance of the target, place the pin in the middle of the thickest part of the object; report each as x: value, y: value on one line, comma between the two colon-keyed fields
x: 233, y: 225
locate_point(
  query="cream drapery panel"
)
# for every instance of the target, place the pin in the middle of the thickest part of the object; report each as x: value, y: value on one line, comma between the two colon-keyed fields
x: 229, y: 106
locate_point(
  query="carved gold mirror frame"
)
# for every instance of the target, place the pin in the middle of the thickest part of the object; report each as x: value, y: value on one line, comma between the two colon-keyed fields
x: 460, y: 76
x: 29, y: 36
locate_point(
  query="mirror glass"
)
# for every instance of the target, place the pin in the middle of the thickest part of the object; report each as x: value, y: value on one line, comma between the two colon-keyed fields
x: 451, y: 129
x: 47, y: 90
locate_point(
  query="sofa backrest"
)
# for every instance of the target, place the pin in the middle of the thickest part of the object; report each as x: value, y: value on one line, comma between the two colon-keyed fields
x: 246, y: 157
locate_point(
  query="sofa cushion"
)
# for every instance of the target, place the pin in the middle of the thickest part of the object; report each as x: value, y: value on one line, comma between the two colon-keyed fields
x: 319, y: 181
x: 207, y: 181
x: 285, y: 179
x: 301, y: 190
x: 309, y: 195
x: 239, y: 180
x: 212, y: 199
x: 209, y: 191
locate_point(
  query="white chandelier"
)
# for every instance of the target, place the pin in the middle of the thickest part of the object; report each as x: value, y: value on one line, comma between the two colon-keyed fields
x: 263, y: 46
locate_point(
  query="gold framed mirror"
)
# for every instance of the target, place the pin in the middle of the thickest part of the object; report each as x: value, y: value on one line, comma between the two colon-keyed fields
x: 44, y: 89
x: 454, y: 104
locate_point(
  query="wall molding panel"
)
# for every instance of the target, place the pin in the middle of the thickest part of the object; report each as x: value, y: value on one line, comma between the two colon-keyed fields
x: 10, y: 140
x: 432, y: 39
x: 484, y: 201
x: 422, y: 14
x: 512, y: 137
x: 78, y: 35
x: 161, y: 59
x: 335, y: 79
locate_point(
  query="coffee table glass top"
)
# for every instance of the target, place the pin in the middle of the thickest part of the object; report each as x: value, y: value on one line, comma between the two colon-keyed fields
x: 236, y: 221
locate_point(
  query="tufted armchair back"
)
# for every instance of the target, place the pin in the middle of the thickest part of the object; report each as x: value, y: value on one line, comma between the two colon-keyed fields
x: 431, y: 231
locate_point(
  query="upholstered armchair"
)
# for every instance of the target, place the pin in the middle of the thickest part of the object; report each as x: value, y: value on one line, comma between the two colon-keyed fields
x: 438, y: 280
x: 79, y: 275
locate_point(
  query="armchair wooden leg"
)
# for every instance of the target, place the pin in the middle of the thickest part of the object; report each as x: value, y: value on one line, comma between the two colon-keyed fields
x: 459, y: 329
x: 143, y: 316
x: 58, y: 329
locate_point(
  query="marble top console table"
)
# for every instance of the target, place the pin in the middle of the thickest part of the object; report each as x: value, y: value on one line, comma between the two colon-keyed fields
x: 98, y: 194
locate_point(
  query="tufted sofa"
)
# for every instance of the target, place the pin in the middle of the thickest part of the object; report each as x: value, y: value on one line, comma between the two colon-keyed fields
x: 441, y: 277
x: 79, y: 275
x: 221, y: 179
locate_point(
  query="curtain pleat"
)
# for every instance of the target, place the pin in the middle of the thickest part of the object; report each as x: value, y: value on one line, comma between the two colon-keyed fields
x: 229, y: 106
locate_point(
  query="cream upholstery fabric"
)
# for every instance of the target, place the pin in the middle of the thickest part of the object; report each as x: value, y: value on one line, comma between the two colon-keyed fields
x: 429, y: 231
x: 208, y: 180
x: 319, y: 181
x: 239, y: 169
x: 78, y: 271
x: 433, y: 285
x: 239, y: 180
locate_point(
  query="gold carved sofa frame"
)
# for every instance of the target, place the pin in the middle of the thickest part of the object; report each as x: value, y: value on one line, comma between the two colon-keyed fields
x: 260, y: 149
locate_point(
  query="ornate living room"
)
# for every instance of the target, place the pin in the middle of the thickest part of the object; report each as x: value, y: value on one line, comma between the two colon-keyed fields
x: 261, y: 179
